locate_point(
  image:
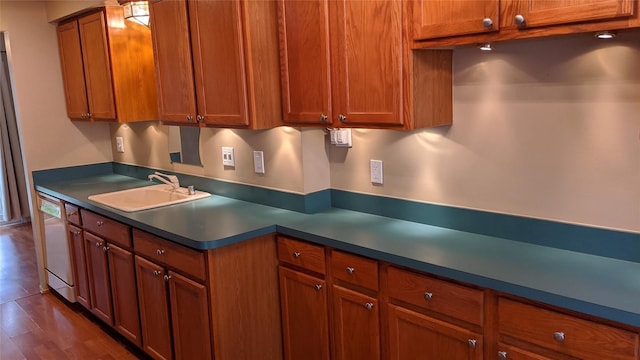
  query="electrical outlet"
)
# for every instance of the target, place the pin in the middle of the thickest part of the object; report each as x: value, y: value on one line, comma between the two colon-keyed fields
x: 376, y: 172
x: 228, y: 159
x: 258, y: 162
x: 119, y: 144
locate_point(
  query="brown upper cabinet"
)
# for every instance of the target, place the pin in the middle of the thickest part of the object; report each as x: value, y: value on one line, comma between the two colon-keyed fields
x: 347, y: 63
x: 451, y: 22
x: 217, y: 62
x: 107, y: 68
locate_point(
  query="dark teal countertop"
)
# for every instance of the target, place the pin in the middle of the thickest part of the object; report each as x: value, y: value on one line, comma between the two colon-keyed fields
x: 595, y: 285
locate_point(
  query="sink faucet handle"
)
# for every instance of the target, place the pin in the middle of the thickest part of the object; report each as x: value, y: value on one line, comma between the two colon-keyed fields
x: 192, y: 190
x: 166, y: 178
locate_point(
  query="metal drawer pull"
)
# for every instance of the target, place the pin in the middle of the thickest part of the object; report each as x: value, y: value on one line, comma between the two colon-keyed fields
x: 502, y: 355
x: 558, y: 336
x: 296, y: 254
x: 156, y: 272
x: 99, y: 222
x: 428, y: 295
x: 368, y: 306
x: 317, y: 287
x: 160, y: 251
x: 98, y: 244
x: 167, y: 277
x: 105, y: 249
x: 487, y: 23
x: 350, y: 270
x: 76, y: 233
x: 472, y: 343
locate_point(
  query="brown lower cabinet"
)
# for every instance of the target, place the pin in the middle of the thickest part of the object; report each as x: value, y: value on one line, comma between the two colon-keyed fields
x: 268, y: 298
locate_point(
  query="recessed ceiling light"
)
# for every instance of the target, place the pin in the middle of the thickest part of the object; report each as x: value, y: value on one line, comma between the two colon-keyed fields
x: 605, y: 35
x: 486, y: 47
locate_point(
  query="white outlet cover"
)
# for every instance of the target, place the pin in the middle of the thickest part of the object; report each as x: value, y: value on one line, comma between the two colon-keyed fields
x: 228, y: 158
x: 120, y: 144
x: 258, y: 162
x: 376, y: 172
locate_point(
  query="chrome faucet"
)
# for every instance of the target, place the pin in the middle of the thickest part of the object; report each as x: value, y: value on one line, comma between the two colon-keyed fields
x: 167, y: 179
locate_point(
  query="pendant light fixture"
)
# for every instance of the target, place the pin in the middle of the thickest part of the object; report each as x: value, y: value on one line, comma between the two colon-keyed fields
x: 137, y: 11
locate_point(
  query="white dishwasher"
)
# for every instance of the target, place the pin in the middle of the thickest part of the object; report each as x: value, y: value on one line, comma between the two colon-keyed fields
x: 56, y: 247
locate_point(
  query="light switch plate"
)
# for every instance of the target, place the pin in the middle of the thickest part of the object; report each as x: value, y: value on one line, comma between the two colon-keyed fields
x: 258, y: 162
x: 228, y: 159
x: 119, y: 144
x: 376, y: 172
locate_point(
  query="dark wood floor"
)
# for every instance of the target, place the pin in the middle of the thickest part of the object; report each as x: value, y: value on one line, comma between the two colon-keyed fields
x: 43, y: 326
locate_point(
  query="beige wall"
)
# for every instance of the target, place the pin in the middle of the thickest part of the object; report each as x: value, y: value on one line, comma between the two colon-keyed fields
x: 546, y: 128
x: 289, y: 166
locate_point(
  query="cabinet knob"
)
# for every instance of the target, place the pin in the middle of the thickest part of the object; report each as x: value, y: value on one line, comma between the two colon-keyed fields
x: 98, y: 244
x: 342, y: 118
x: 189, y: 118
x: 76, y: 233
x: 99, y: 223
x: 350, y: 270
x: 487, y: 23
x: 558, y: 336
x: 428, y: 295
x: 156, y: 272
x: 368, y: 306
x: 167, y: 277
x: 296, y: 254
x: 472, y: 343
x: 199, y: 118
x: 318, y: 287
x: 502, y: 355
x: 105, y: 248
x: 89, y: 115
x: 160, y: 251
x: 519, y: 20
x: 323, y: 117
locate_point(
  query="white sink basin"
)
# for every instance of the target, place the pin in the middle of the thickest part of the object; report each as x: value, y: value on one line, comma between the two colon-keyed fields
x: 147, y: 197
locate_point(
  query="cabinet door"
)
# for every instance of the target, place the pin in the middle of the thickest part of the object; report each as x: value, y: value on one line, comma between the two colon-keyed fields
x: 189, y: 318
x: 75, y: 88
x: 366, y: 54
x: 304, y: 61
x: 303, y: 301
x: 218, y: 56
x: 98, y: 273
x: 434, y: 19
x: 356, y: 325
x: 546, y: 12
x: 76, y: 240
x: 172, y: 50
x: 154, y: 309
x: 97, y: 66
x: 125, y: 298
x: 412, y: 334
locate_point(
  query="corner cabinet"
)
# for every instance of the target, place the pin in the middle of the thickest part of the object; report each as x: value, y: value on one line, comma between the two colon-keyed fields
x: 347, y: 63
x: 107, y: 68
x: 217, y: 62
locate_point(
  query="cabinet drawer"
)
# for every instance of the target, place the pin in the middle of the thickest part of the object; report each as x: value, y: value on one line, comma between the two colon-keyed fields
x: 73, y: 214
x: 447, y: 298
x: 564, y: 333
x: 354, y: 269
x: 179, y: 257
x: 302, y: 254
x: 106, y: 228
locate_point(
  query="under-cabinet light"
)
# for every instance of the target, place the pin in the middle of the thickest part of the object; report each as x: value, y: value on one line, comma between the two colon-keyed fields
x: 486, y: 47
x: 605, y: 35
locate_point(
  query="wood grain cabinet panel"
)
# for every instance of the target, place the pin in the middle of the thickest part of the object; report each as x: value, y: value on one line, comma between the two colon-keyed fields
x: 107, y: 229
x: 79, y: 260
x: 564, y: 333
x: 217, y: 62
x: 434, y: 19
x: 537, y: 13
x: 154, y: 309
x: 98, y: 274
x: 356, y: 325
x: 126, y: 317
x: 413, y: 335
x: 305, y: 315
x: 107, y: 68
x: 302, y: 254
